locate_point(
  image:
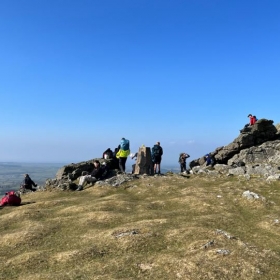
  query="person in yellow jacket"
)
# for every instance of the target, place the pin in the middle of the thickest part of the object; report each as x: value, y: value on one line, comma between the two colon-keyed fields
x: 123, y: 153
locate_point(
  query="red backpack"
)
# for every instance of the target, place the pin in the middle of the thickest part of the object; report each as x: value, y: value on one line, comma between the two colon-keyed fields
x: 11, y: 198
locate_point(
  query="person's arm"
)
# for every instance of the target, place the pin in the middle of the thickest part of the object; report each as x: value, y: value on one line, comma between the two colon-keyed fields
x: 33, y: 184
x: 118, y: 154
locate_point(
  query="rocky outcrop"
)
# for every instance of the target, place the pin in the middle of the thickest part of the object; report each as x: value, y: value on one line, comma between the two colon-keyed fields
x: 67, y: 175
x: 262, y: 131
x: 266, y: 153
x: 255, y: 152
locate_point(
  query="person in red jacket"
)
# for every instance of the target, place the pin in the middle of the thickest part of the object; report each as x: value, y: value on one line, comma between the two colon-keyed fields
x: 252, y: 119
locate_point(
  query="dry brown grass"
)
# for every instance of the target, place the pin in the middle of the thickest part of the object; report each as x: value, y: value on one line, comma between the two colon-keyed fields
x: 152, y: 228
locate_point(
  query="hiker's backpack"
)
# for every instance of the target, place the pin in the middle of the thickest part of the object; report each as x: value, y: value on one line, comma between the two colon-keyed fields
x: 11, y: 198
x: 180, y: 157
x: 181, y: 154
x: 157, y: 151
x: 124, y: 144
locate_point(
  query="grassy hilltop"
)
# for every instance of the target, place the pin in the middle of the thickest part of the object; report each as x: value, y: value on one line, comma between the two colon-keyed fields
x: 168, y: 227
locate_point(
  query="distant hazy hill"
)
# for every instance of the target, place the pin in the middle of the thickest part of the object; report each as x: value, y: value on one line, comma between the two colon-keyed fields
x: 11, y: 173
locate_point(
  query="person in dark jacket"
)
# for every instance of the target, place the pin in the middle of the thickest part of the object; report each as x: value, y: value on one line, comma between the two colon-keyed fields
x: 28, y: 184
x: 210, y: 160
x: 157, y: 153
x: 108, y: 154
x: 93, y: 176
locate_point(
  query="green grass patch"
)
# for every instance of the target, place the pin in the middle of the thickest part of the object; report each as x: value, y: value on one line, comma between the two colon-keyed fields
x: 152, y: 228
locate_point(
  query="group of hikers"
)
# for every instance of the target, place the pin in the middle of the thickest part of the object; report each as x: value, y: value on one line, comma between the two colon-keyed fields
x: 122, y: 152
x: 119, y: 157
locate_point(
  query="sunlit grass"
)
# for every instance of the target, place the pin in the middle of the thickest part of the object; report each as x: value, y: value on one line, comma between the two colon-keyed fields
x: 152, y: 228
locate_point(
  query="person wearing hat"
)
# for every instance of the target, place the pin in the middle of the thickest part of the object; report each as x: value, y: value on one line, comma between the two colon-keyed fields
x: 28, y: 183
x: 157, y: 153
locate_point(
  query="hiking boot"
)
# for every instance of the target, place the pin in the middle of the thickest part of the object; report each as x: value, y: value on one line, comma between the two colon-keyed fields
x: 80, y: 188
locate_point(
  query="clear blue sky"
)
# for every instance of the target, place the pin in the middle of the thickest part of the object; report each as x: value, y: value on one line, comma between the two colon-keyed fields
x: 76, y: 76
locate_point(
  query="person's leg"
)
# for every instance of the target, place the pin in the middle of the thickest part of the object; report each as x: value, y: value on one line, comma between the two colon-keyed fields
x: 159, y: 161
x: 181, y: 166
x: 155, y: 168
x: 123, y: 163
x: 82, y: 180
x: 90, y: 179
x: 29, y: 187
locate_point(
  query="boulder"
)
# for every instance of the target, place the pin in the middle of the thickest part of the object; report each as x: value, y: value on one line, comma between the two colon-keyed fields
x: 256, y: 151
x: 262, y: 131
x: 67, y: 175
x: 266, y: 153
x: 74, y: 170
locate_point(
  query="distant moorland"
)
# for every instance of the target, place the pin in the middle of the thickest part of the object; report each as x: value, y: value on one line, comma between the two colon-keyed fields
x: 11, y: 173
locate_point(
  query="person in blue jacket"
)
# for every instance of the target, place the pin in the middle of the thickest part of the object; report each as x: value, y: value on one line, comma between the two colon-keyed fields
x: 210, y: 160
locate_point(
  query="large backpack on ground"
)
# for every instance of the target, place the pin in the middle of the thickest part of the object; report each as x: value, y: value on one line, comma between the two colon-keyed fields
x: 11, y: 198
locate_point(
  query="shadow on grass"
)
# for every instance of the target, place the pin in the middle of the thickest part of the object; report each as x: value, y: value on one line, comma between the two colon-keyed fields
x: 28, y: 202
x: 22, y: 204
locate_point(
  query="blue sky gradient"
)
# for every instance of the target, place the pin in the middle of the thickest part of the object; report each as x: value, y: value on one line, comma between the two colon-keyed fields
x: 76, y: 76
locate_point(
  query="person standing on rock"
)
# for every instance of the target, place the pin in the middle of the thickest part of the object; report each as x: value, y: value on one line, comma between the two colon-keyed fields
x: 123, y: 153
x: 157, y: 153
